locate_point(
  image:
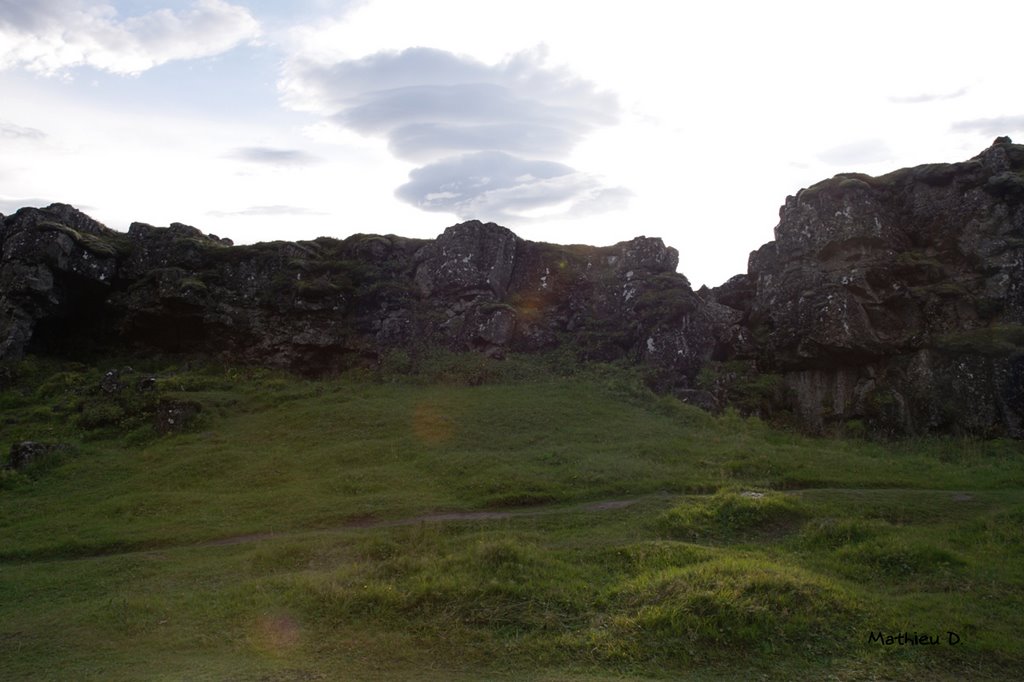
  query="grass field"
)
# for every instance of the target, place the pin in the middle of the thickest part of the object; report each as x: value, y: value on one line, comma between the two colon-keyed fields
x: 473, y: 520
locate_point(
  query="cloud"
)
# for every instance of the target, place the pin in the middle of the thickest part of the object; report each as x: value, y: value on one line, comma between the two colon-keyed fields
x: 274, y: 157
x: 857, y: 153
x: 503, y: 186
x: 11, y: 206
x: 428, y: 101
x: 928, y: 97
x: 999, y: 125
x: 49, y: 36
x: 15, y: 132
x: 490, y: 135
x: 276, y: 210
x: 31, y: 16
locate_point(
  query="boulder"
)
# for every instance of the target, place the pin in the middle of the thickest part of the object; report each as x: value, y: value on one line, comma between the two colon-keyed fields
x: 27, y: 453
x: 468, y: 259
x: 175, y: 416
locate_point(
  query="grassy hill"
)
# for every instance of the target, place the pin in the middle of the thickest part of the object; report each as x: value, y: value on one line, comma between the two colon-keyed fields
x: 455, y: 518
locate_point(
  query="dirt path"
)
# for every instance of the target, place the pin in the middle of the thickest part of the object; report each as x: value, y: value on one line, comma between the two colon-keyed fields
x: 434, y: 518
x: 443, y: 517
x: 448, y: 517
x: 350, y: 525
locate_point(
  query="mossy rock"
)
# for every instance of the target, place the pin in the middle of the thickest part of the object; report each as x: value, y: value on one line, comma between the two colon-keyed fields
x: 853, y: 184
x: 666, y: 298
x: 111, y: 246
x: 995, y: 341
x: 491, y: 308
x: 935, y: 174
x: 739, y: 384
x: 321, y: 287
x: 1005, y: 185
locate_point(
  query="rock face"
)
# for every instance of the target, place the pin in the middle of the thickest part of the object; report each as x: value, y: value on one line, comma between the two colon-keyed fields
x: 896, y: 300
x: 318, y: 306
x: 893, y: 303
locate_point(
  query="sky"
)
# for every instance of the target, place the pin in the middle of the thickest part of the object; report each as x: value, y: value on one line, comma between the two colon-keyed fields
x: 566, y: 121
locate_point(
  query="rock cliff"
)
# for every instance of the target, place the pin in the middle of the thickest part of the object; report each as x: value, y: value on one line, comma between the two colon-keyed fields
x: 896, y: 301
x: 893, y: 304
x: 327, y: 304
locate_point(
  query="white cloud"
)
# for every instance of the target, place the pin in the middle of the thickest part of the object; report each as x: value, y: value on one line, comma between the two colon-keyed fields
x: 499, y: 186
x: 13, y: 131
x: 50, y: 36
x: 999, y: 125
x: 272, y: 156
x: 9, y: 205
x: 275, y: 210
x: 925, y: 98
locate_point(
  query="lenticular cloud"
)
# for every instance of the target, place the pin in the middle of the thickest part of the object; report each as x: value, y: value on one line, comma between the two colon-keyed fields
x: 490, y: 137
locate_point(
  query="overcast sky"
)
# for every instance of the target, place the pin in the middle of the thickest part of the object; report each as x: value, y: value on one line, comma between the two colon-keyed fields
x: 568, y: 122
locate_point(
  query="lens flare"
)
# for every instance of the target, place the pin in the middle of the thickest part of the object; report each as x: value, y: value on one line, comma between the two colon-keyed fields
x: 431, y: 425
x: 276, y: 633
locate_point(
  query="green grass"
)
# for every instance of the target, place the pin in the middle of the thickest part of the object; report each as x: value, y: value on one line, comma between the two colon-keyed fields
x: 453, y: 523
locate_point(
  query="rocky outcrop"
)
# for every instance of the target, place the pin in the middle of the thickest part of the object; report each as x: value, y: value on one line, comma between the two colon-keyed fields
x: 53, y: 262
x: 897, y: 301
x: 894, y: 304
x: 327, y: 304
x: 26, y: 454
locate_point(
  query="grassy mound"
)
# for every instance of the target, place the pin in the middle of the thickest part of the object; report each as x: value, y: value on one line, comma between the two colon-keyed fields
x: 711, y: 610
x: 731, y: 513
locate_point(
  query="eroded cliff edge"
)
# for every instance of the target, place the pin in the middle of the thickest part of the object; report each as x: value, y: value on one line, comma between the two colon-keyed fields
x: 893, y: 304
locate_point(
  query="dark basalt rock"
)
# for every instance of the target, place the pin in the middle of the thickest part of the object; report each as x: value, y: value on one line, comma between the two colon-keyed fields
x: 27, y: 453
x: 111, y: 382
x: 174, y: 416
x: 705, y: 400
x: 327, y: 304
x: 896, y: 301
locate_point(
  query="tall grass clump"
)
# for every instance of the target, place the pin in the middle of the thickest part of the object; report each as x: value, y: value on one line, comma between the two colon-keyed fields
x: 712, y: 610
x: 729, y: 513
